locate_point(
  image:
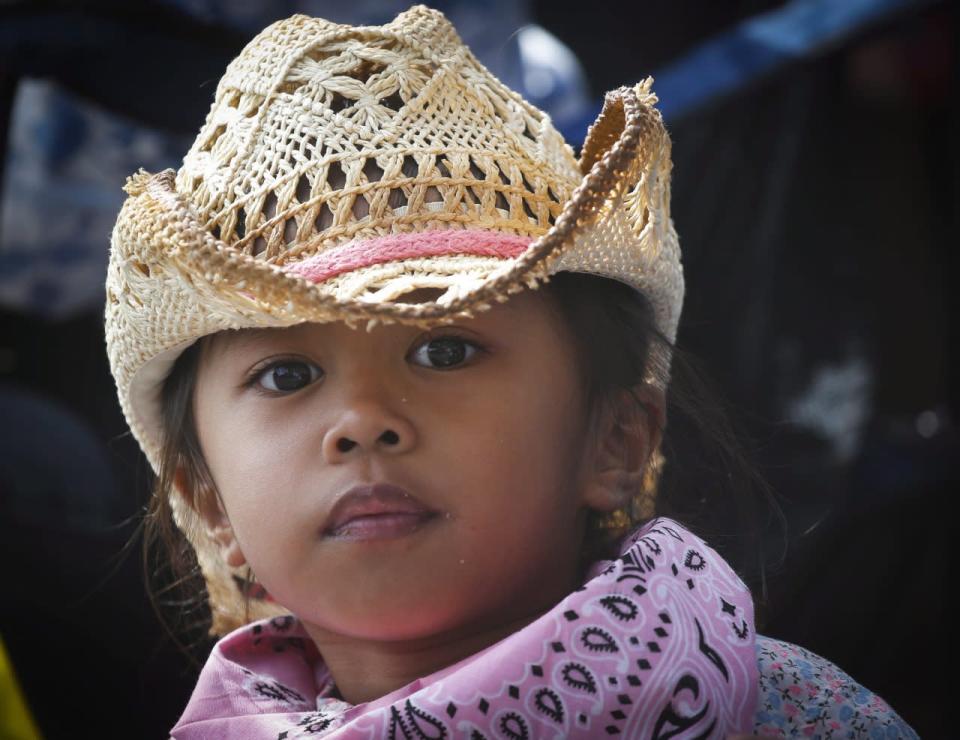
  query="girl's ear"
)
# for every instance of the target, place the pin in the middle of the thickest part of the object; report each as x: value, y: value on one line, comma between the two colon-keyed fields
x: 207, y: 504
x: 627, y: 427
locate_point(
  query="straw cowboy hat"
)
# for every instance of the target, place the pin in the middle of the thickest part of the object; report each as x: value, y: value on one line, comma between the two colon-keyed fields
x: 341, y: 168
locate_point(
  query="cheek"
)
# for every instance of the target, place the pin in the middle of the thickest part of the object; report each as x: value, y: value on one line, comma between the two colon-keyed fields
x: 521, y: 447
x: 541, y: 422
x: 259, y: 467
x: 518, y: 513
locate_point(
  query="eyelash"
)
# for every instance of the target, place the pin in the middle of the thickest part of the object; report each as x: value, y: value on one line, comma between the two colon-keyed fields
x: 474, y: 348
x: 253, y: 379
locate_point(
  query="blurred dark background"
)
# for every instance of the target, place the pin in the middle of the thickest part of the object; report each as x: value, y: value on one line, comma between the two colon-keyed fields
x: 814, y: 194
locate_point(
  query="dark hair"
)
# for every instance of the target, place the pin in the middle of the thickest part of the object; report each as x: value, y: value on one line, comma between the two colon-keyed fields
x: 721, y: 497
x: 171, y: 571
x: 707, y: 481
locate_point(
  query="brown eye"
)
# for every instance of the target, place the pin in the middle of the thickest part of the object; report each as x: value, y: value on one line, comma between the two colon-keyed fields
x: 443, y: 353
x: 288, y: 376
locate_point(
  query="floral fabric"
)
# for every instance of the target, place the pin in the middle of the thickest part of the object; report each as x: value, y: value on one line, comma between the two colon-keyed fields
x: 804, y: 695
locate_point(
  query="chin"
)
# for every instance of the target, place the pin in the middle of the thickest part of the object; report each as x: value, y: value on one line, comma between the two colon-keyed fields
x: 406, y: 616
x: 389, y: 625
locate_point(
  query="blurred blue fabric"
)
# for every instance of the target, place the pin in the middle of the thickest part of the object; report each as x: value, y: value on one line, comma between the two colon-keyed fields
x: 67, y: 158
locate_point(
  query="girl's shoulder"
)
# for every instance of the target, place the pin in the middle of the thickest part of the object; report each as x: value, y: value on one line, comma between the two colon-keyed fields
x: 805, y: 695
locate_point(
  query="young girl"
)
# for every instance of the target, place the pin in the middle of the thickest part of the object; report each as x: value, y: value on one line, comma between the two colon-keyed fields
x: 400, y: 363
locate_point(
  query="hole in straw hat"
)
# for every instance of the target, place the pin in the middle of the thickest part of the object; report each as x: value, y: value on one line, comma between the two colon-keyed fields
x: 393, y: 102
x: 313, y: 147
x: 397, y: 199
x: 290, y: 231
x: 270, y: 206
x: 476, y: 171
x: 259, y: 246
x: 324, y: 218
x: 303, y: 189
x: 365, y: 70
x: 241, y: 227
x: 528, y: 210
x: 360, y: 208
x: 372, y: 171
x: 526, y: 183
x: 339, y: 103
x: 420, y: 295
x: 335, y: 177
x: 444, y: 170
x: 410, y: 168
x: 319, y: 54
x: 289, y: 86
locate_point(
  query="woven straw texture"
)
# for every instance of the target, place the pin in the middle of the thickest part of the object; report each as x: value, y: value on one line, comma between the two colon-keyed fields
x: 323, y: 135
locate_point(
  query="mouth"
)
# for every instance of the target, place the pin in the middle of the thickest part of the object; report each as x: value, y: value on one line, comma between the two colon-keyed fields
x: 376, y: 512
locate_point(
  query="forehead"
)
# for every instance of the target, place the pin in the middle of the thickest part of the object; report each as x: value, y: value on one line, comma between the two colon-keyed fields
x: 518, y: 311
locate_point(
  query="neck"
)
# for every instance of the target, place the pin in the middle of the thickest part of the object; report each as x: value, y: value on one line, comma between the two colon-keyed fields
x: 364, y: 670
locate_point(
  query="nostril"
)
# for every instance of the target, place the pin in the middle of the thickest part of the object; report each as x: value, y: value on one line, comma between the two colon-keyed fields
x: 390, y: 437
x: 345, y: 445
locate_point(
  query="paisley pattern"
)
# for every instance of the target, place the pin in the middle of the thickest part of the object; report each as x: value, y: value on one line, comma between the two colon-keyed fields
x: 653, y: 644
x: 801, y: 695
x: 657, y: 644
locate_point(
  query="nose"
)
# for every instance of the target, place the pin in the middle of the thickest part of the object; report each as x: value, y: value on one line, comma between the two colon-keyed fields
x: 367, y: 427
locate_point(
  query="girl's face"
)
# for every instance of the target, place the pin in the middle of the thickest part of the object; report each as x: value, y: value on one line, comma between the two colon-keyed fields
x: 397, y: 483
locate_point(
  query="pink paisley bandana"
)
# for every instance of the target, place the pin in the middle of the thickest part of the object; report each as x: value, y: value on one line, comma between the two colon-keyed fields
x: 656, y: 644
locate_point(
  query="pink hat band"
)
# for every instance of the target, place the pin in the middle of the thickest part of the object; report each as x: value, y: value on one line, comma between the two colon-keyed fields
x: 397, y: 247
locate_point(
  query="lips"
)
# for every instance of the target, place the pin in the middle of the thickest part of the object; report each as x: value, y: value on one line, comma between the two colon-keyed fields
x: 375, y: 512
